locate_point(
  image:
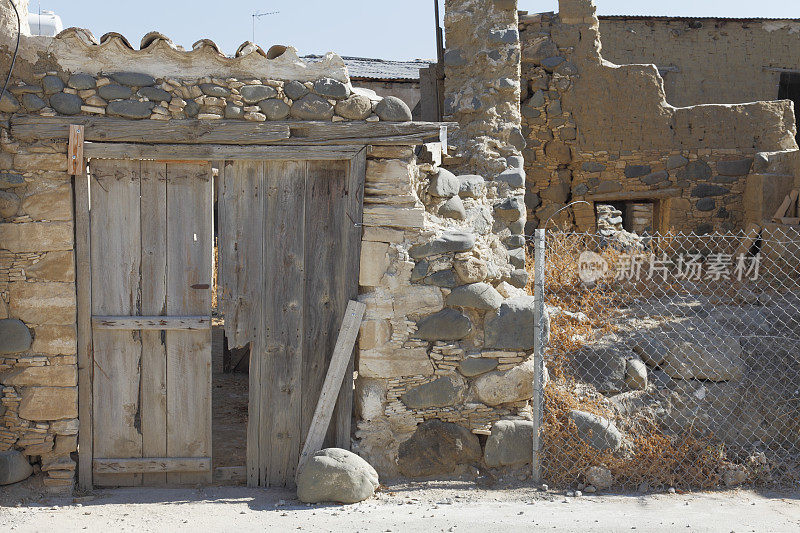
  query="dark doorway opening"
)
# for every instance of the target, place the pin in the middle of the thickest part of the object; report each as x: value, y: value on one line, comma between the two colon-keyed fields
x: 789, y: 89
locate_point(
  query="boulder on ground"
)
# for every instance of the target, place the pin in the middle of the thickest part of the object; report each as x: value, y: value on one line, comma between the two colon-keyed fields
x: 510, y: 444
x: 602, y: 364
x: 596, y: 431
x: 336, y: 475
x: 14, y: 467
x: 437, y: 448
x: 710, y: 358
x: 599, y: 476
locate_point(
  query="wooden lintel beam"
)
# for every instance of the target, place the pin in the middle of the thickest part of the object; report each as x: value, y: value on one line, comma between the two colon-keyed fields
x: 634, y: 195
x: 216, y: 152
x: 235, y: 132
x: 152, y: 322
x: 151, y: 465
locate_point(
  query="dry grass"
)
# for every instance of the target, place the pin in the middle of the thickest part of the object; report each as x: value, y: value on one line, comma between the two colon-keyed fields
x: 652, y: 457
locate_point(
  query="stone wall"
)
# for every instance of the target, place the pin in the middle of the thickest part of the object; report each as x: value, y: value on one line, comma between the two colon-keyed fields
x: 599, y: 130
x: 38, y: 367
x: 707, y: 60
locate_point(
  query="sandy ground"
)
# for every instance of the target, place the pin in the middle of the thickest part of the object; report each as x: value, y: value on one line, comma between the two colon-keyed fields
x: 454, y: 506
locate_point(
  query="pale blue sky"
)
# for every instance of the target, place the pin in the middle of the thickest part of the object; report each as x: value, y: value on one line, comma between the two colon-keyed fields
x: 368, y: 28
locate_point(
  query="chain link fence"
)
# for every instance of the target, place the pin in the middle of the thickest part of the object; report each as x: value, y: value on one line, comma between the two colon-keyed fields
x: 672, y: 360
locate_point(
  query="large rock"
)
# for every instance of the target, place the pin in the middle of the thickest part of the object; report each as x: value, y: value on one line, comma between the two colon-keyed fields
x: 446, y: 325
x: 393, y: 109
x: 331, y: 88
x: 136, y: 79
x: 274, y: 108
x: 650, y: 347
x: 442, y: 392
x: 475, y: 296
x: 114, y: 91
x: 453, y: 208
x: 711, y: 358
x: 52, y: 84
x: 336, y: 475
x: 436, y: 448
x: 448, y: 242
x: 510, y: 444
x: 15, y: 336
x: 444, y: 184
x: 295, y: 90
x: 475, y: 366
x: 66, y: 104
x: 514, y: 177
x: 14, y: 467
x: 600, y: 477
x: 356, y: 107
x: 510, y: 209
x: 154, y: 94
x: 636, y: 374
x: 312, y: 107
x: 513, y: 385
x: 512, y: 327
x: 252, y: 94
x: 82, y: 82
x: 130, y: 108
x: 217, y: 91
x: 471, y: 186
x: 602, y: 364
x: 596, y: 431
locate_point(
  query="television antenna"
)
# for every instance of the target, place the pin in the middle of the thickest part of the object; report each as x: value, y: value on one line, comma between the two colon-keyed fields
x: 258, y: 15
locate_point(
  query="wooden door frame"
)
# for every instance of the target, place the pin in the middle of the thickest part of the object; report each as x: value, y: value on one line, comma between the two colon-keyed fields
x: 355, y: 154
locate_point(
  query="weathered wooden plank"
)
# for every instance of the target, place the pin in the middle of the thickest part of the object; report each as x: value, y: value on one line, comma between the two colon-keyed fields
x: 343, y: 413
x: 155, y: 322
x: 83, y: 275
x: 241, y: 212
x: 116, y: 260
x: 107, y: 129
x: 282, y: 301
x: 230, y: 474
x: 342, y: 355
x: 208, y: 152
x: 189, y: 252
x: 152, y: 466
x: 154, y: 301
x: 325, y: 251
x: 376, y: 133
x: 75, y: 160
x: 634, y: 195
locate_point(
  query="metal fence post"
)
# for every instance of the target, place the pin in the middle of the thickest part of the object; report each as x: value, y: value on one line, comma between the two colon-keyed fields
x: 538, y: 352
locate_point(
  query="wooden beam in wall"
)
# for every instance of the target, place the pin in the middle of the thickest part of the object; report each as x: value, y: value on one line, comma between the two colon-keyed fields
x: 235, y: 132
x: 83, y: 287
x: 211, y: 152
x: 633, y: 195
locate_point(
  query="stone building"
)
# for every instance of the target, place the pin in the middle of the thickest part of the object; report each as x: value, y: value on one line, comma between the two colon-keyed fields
x: 435, y: 251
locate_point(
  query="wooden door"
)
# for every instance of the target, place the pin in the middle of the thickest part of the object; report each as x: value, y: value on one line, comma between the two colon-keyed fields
x: 151, y: 262
x: 290, y: 252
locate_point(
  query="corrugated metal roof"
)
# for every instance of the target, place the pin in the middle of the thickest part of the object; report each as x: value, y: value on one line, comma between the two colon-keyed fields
x: 381, y: 69
x: 667, y: 18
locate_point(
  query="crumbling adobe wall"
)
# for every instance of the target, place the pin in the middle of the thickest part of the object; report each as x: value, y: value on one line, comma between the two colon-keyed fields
x: 709, y: 60
x: 595, y: 128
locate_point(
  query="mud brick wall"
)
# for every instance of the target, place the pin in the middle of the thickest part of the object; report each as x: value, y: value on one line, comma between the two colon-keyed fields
x: 707, y: 60
x: 598, y: 130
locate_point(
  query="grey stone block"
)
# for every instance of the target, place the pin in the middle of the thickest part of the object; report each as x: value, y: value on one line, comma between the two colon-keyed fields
x: 295, y: 90
x: 450, y: 241
x: 114, y: 91
x: 392, y: 109
x: 52, y: 84
x: 446, y: 325
x: 252, y: 94
x: 634, y: 171
x: 512, y: 327
x: 453, y: 208
x: 443, y: 392
x: 312, y: 107
x: 212, y: 89
x: 444, y: 184
x: 336, y: 475
x: 705, y: 190
x: 130, y: 108
x: 475, y: 296
x: 274, y: 108
x: 15, y: 336
x: 436, y: 448
x: 475, y: 366
x: 596, y: 431
x: 331, y: 88
x: 81, y: 82
x: 154, y: 94
x: 739, y: 167
x: 66, y: 104
x: 510, y: 444
x: 134, y: 79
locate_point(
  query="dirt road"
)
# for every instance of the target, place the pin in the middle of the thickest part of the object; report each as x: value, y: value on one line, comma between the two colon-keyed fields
x: 403, y: 508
